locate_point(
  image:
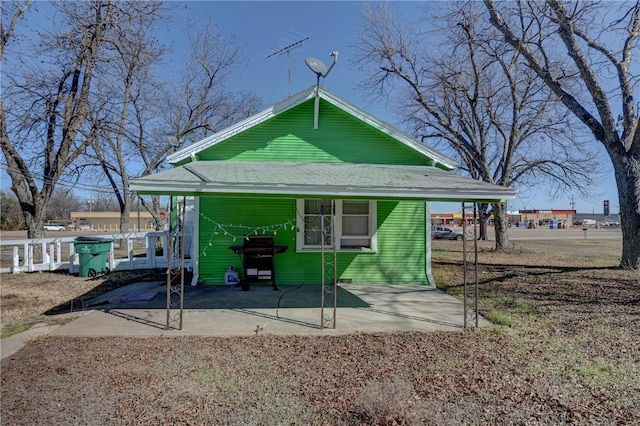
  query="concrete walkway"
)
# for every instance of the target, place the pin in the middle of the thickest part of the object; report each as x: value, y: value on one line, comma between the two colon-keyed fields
x: 229, y: 311
x: 12, y: 344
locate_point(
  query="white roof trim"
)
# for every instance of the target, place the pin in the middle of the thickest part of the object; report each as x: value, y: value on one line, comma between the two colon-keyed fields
x: 298, y: 99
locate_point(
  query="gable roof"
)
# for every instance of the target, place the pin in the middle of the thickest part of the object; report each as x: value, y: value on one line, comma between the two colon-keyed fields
x: 319, y: 180
x: 298, y: 99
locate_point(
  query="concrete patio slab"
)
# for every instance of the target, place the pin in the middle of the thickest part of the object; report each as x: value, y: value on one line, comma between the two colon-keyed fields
x: 294, y: 310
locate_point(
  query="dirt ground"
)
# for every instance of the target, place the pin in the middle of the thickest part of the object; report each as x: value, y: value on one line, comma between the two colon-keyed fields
x: 565, y: 349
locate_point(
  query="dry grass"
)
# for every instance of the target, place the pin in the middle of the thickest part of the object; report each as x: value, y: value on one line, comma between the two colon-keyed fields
x: 25, y: 298
x: 568, y: 353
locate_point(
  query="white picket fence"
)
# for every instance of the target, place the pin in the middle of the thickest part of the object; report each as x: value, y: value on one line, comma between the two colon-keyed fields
x: 55, y: 254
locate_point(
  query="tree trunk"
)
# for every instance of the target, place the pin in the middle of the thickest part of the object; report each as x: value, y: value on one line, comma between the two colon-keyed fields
x: 125, y: 213
x: 627, y: 172
x: 500, y: 223
x: 156, y: 213
x: 34, y: 219
x: 482, y: 220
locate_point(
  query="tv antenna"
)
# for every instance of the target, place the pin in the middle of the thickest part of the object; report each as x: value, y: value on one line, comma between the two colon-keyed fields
x: 297, y: 42
x: 321, y: 70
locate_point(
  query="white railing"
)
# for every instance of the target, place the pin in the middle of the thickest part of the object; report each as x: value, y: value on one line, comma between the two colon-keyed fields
x: 46, y: 254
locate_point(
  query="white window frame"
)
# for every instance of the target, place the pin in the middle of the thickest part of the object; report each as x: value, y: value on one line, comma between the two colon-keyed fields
x: 373, y: 229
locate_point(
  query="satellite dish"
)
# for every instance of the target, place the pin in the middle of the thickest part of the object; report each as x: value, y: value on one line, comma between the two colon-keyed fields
x: 320, y: 69
x: 317, y: 66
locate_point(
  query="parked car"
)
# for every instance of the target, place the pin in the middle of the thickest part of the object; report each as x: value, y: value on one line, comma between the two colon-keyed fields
x: 445, y: 233
x: 54, y: 227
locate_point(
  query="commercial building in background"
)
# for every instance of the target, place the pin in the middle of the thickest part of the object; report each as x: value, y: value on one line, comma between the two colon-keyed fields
x: 110, y: 221
x: 554, y: 219
x: 453, y: 219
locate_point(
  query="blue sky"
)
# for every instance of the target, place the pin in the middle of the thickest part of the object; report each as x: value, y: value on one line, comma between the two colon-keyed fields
x: 333, y: 25
x: 267, y: 26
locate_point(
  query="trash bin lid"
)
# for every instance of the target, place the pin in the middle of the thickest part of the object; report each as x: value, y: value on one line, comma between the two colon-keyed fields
x: 89, y: 240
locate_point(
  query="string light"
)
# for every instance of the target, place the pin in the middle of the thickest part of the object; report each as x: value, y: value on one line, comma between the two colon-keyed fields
x: 235, y: 231
x: 238, y: 231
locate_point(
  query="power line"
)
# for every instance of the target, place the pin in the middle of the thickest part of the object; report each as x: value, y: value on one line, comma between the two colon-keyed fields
x: 69, y: 185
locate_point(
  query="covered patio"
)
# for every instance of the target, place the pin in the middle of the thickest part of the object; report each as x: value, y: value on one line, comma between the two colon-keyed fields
x: 331, y: 181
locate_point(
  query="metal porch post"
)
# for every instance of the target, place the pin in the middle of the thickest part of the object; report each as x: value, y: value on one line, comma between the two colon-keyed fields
x: 470, y: 270
x: 329, y: 298
x: 175, y: 276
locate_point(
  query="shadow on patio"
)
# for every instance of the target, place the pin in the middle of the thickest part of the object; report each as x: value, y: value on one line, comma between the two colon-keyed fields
x: 152, y: 295
x: 294, y: 309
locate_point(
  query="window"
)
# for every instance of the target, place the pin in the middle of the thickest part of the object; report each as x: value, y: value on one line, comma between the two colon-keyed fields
x: 354, y: 227
x: 312, y: 226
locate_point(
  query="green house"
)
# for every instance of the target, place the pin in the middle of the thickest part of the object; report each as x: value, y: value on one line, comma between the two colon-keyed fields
x: 317, y: 174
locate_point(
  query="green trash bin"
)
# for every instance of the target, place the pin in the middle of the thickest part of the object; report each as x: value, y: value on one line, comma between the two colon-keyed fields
x: 92, y: 254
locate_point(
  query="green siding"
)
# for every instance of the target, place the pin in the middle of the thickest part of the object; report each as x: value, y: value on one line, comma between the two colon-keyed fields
x: 215, y: 255
x: 400, y: 258
x: 401, y: 254
x: 290, y: 136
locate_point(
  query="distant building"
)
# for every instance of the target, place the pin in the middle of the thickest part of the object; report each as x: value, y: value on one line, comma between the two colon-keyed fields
x: 517, y: 218
x: 452, y: 219
x: 541, y: 218
x: 110, y: 221
x: 596, y: 219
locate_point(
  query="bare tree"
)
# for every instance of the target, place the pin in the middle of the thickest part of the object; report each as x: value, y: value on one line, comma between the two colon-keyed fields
x: 197, y: 103
x: 11, y: 218
x: 101, y: 202
x: 125, y: 84
x: 477, y: 98
x: 10, y: 13
x: 583, y: 52
x: 47, y: 89
x: 145, y: 119
x: 62, y: 203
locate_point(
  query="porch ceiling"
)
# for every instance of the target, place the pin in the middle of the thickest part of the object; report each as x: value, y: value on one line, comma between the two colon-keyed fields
x: 315, y: 180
